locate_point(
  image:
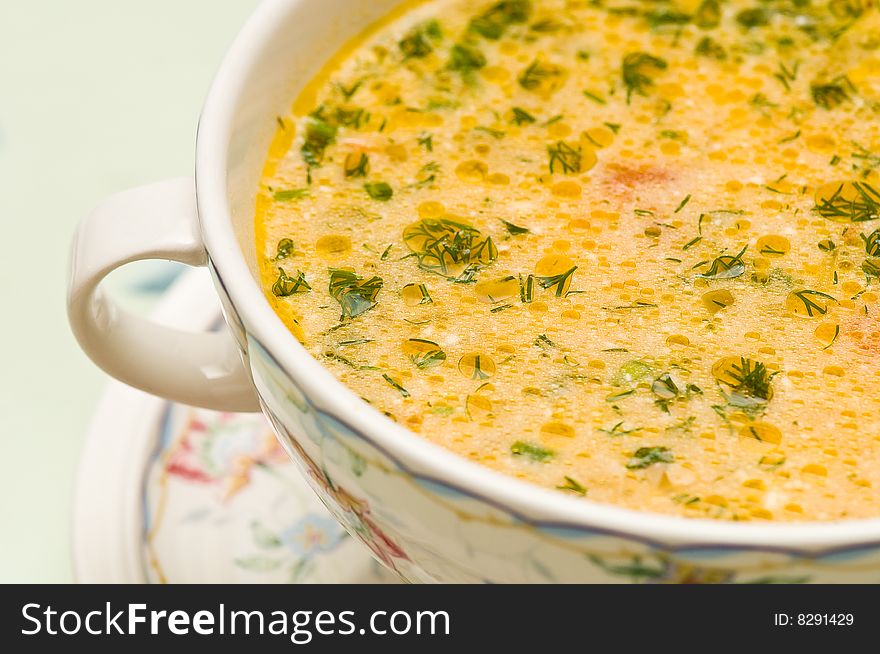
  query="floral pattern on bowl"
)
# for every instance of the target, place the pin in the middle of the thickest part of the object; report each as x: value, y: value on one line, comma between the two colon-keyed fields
x: 222, y: 502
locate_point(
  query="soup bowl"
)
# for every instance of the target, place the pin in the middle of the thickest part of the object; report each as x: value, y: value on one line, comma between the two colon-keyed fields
x: 425, y: 513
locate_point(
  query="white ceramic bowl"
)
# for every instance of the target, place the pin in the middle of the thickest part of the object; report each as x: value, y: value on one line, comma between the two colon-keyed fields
x: 423, y: 511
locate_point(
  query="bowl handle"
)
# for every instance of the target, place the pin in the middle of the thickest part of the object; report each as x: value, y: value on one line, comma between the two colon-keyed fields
x: 159, y: 221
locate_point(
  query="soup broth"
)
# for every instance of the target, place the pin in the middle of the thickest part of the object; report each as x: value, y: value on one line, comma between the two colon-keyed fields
x: 625, y: 250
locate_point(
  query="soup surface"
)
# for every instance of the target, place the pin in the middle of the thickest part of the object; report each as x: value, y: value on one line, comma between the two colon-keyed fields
x: 622, y: 249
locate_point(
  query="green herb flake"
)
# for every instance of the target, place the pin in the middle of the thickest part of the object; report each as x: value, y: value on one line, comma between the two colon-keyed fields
x: 751, y: 384
x: 419, y: 41
x: 595, y: 97
x: 286, y: 285
x: 828, y: 96
x: 532, y: 451
x: 494, y: 22
x: 564, y: 158
x: 433, y: 355
x: 754, y: 17
x: 665, y: 17
x: 665, y: 388
x: 319, y: 135
x: 560, y: 282
x: 725, y: 267
x: 544, y: 342
x: 287, y: 195
x: 540, y: 74
x: 572, y: 485
x: 514, y: 230
x: 619, y: 430
x: 619, y: 396
x: 636, y: 72
x: 465, y: 59
x: 454, y: 250
x: 285, y: 249
x: 648, y: 456
x: 694, y: 241
x: 527, y: 289
x: 852, y: 202
x: 683, y: 204
x: 708, y: 15
x: 522, y: 117
x: 379, y: 191
x: 711, y: 49
x: 354, y: 294
x: 810, y: 306
x: 355, y: 341
x: 395, y: 385
x: 357, y: 166
x: 871, y: 268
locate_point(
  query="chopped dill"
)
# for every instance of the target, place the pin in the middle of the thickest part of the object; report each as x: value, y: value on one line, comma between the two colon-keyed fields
x: 318, y: 137
x: 561, y: 282
x: 538, y: 74
x: 683, y: 204
x: 286, y: 286
x: 465, y: 59
x: 357, y: 166
x: 564, y: 158
x: 860, y: 206
x: 648, y: 456
x: 379, y: 191
x: 636, y: 72
x: 400, y: 389
x: 287, y: 195
x: 830, y: 95
x: 531, y: 450
x: 725, y: 266
x: 492, y: 23
x: 354, y: 294
x: 514, y: 230
x: 572, y: 485
x: 598, y: 99
x: 522, y: 117
x: 284, y: 250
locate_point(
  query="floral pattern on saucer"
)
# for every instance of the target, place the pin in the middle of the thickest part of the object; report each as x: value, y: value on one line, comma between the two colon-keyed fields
x: 223, y: 503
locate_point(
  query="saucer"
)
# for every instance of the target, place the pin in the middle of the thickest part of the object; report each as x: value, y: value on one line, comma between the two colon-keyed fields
x: 172, y: 494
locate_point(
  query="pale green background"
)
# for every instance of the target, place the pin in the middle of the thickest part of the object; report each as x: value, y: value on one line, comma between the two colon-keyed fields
x: 95, y: 96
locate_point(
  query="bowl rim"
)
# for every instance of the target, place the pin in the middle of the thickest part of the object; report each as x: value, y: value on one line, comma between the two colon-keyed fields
x: 528, y: 502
